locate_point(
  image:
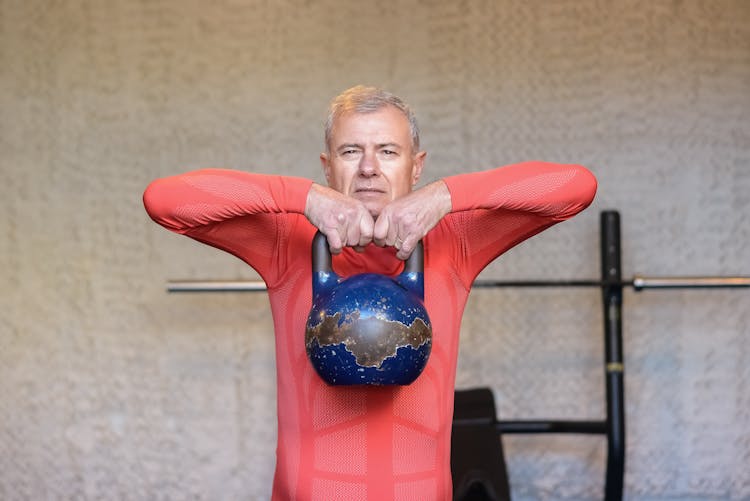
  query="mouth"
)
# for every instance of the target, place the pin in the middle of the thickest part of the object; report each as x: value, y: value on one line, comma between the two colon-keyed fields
x: 369, y: 191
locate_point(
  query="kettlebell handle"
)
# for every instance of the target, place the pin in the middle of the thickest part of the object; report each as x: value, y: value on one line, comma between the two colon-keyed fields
x: 321, y: 256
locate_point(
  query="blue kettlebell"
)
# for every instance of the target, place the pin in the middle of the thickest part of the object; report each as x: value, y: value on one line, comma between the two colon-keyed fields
x: 368, y: 329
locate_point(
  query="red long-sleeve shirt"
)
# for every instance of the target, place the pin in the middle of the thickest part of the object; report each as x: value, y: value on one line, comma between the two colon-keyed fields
x: 366, y: 443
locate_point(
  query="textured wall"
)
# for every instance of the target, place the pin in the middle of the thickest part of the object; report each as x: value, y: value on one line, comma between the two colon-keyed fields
x: 112, y: 389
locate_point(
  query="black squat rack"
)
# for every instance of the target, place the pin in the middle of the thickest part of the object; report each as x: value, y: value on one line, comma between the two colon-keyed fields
x: 611, y: 285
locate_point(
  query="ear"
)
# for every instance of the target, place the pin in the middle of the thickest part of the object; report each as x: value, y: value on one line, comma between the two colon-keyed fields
x: 416, y: 169
x: 326, y: 167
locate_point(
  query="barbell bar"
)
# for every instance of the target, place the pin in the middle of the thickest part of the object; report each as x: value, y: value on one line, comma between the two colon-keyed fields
x: 638, y: 283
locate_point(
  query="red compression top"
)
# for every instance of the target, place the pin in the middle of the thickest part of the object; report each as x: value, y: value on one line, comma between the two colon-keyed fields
x: 366, y: 443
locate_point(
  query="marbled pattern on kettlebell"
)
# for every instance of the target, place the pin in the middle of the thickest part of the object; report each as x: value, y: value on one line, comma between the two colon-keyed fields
x: 368, y: 350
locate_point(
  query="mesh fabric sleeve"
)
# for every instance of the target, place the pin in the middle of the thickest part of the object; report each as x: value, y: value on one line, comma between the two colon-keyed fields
x: 496, y: 209
x: 232, y: 210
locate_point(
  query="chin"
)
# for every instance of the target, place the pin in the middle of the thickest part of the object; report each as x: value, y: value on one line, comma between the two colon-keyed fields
x: 372, y: 204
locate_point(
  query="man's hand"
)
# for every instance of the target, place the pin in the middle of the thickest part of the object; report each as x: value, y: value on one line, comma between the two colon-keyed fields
x: 405, y: 221
x: 343, y: 220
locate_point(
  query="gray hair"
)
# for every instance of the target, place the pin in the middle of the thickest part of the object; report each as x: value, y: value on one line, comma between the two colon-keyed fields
x: 361, y: 99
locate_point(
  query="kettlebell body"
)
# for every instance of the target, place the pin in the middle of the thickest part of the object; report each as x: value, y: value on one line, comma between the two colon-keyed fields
x: 368, y: 329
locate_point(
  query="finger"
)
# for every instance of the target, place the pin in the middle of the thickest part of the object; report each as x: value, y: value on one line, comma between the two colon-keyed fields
x: 352, y: 233
x: 400, y: 234
x: 366, y: 229
x: 335, y: 233
x: 392, y: 234
x: 380, y: 230
x: 334, y: 241
x: 407, y: 247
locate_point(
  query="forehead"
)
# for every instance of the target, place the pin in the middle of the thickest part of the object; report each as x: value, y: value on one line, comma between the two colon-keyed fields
x: 386, y: 125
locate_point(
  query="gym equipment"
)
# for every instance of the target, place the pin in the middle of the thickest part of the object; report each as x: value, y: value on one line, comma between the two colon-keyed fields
x: 477, y: 458
x: 482, y: 415
x: 368, y: 329
x: 638, y: 283
x: 613, y: 426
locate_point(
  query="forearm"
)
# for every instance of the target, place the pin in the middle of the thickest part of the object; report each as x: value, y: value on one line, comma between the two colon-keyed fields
x: 437, y: 197
x: 208, y: 196
x: 555, y: 191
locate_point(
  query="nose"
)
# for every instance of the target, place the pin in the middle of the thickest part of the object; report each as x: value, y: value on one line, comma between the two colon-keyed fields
x: 368, y: 165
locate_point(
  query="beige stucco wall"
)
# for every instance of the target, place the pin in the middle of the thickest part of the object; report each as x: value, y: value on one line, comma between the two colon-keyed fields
x: 110, y: 388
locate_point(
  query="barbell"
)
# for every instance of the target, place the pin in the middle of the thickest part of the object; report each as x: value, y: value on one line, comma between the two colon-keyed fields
x: 638, y: 283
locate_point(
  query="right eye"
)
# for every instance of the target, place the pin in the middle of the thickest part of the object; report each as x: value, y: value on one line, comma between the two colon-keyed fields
x: 349, y: 152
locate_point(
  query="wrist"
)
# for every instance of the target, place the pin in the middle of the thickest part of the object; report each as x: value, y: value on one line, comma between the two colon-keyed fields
x: 442, y: 195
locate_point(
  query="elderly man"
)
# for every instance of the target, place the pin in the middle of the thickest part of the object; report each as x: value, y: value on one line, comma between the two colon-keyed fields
x: 368, y: 443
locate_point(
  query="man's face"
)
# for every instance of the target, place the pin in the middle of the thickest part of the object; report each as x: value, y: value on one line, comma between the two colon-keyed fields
x: 371, y: 157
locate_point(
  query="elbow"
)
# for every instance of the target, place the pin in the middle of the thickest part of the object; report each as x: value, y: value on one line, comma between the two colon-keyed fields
x: 581, y: 191
x: 587, y: 185
x: 152, y: 201
x: 584, y: 191
x: 159, y: 204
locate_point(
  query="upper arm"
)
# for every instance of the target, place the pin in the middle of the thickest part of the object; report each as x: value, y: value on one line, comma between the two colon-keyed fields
x: 497, y: 209
x: 242, y: 213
